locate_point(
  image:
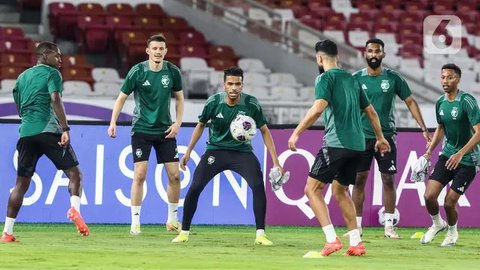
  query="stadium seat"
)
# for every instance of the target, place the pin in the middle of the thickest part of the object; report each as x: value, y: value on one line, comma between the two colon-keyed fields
x: 260, y: 92
x: 307, y: 93
x: 148, y: 23
x: 175, y: 24
x: 216, y: 81
x: 107, y: 89
x: 197, y: 77
x: 286, y: 93
x: 222, y: 51
x: 13, y: 59
x: 77, y: 89
x: 6, y: 87
x: 76, y: 61
x: 62, y: 18
x: 259, y: 15
x: 193, y: 51
x: 91, y: 8
x: 150, y: 9
x: 11, y: 32
x: 109, y: 75
x: 123, y: 9
x: 77, y: 74
x: 11, y: 72
x: 253, y: 65
x: 255, y: 79
x: 220, y: 63
x: 192, y: 38
x: 92, y: 34
x: 337, y: 35
x: 283, y: 79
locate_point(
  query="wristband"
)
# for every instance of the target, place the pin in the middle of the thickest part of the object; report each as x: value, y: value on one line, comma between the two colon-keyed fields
x: 66, y: 129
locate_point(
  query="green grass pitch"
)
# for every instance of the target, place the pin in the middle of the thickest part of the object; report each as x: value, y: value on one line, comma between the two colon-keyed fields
x: 58, y: 246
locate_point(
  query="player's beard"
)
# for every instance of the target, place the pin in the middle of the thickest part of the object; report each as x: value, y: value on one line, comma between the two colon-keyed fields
x: 321, y: 70
x: 374, y: 65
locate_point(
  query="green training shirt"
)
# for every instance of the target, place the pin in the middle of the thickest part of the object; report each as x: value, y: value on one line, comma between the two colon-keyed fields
x: 221, y: 115
x: 458, y: 117
x: 32, y: 94
x: 381, y: 91
x: 152, y: 91
x: 343, y: 128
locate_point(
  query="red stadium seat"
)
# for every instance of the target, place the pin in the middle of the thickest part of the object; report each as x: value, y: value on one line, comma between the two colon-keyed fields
x: 314, y: 23
x: 466, y: 6
x: 11, y: 72
x: 15, y: 59
x: 193, y: 51
x: 220, y: 51
x: 175, y: 24
x: 8, y: 32
x: 411, y: 51
x: 62, y: 18
x: 91, y: 8
x: 220, y: 63
x: 92, y: 34
x: 192, y: 38
x: 77, y: 74
x: 120, y: 9
x: 150, y: 9
x: 148, y: 23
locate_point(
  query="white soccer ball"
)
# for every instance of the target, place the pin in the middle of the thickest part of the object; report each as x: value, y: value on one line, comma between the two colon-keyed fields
x: 381, y: 216
x: 243, y: 128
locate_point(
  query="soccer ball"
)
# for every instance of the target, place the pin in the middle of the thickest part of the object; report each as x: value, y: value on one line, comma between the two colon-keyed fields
x: 243, y: 128
x: 381, y: 216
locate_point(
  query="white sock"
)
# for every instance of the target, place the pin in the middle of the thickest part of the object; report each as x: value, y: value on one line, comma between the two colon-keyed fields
x: 452, y: 228
x: 437, y: 220
x: 330, y: 233
x: 260, y: 232
x: 9, y: 225
x: 354, y: 236
x: 75, y: 202
x: 185, y: 232
x: 359, y: 222
x: 172, y: 212
x: 135, y: 210
x: 389, y: 220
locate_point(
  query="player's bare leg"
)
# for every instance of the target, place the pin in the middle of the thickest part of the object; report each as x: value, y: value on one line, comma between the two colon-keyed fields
x: 136, y: 195
x: 173, y: 194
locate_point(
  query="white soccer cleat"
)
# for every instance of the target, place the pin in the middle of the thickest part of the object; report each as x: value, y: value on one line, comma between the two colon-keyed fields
x: 135, y: 229
x: 391, y: 233
x: 432, y: 232
x: 277, y: 178
x: 450, y: 239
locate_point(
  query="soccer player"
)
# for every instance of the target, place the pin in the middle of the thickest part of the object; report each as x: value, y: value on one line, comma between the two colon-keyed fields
x: 225, y: 153
x: 44, y: 131
x: 381, y: 86
x: 340, y: 96
x: 458, y: 119
x: 152, y: 83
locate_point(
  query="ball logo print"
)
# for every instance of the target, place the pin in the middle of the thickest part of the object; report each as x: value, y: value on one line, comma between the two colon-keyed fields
x: 437, y: 32
x: 243, y: 128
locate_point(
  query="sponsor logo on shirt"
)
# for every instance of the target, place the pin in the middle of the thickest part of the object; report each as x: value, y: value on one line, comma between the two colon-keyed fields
x: 364, y: 87
x: 441, y: 112
x: 146, y: 83
x: 219, y: 115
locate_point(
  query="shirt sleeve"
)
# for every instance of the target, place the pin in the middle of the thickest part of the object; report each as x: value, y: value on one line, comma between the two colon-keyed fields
x: 401, y: 87
x: 364, y: 101
x: 177, y: 79
x: 130, y: 82
x: 207, y: 110
x: 437, y: 112
x: 257, y: 112
x: 323, y: 87
x: 470, y: 105
x: 54, y: 82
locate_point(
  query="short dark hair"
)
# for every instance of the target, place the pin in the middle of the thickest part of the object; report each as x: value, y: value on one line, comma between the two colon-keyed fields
x: 44, y: 46
x: 375, y: 41
x: 157, y: 37
x: 327, y: 46
x: 453, y: 67
x: 232, y: 71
